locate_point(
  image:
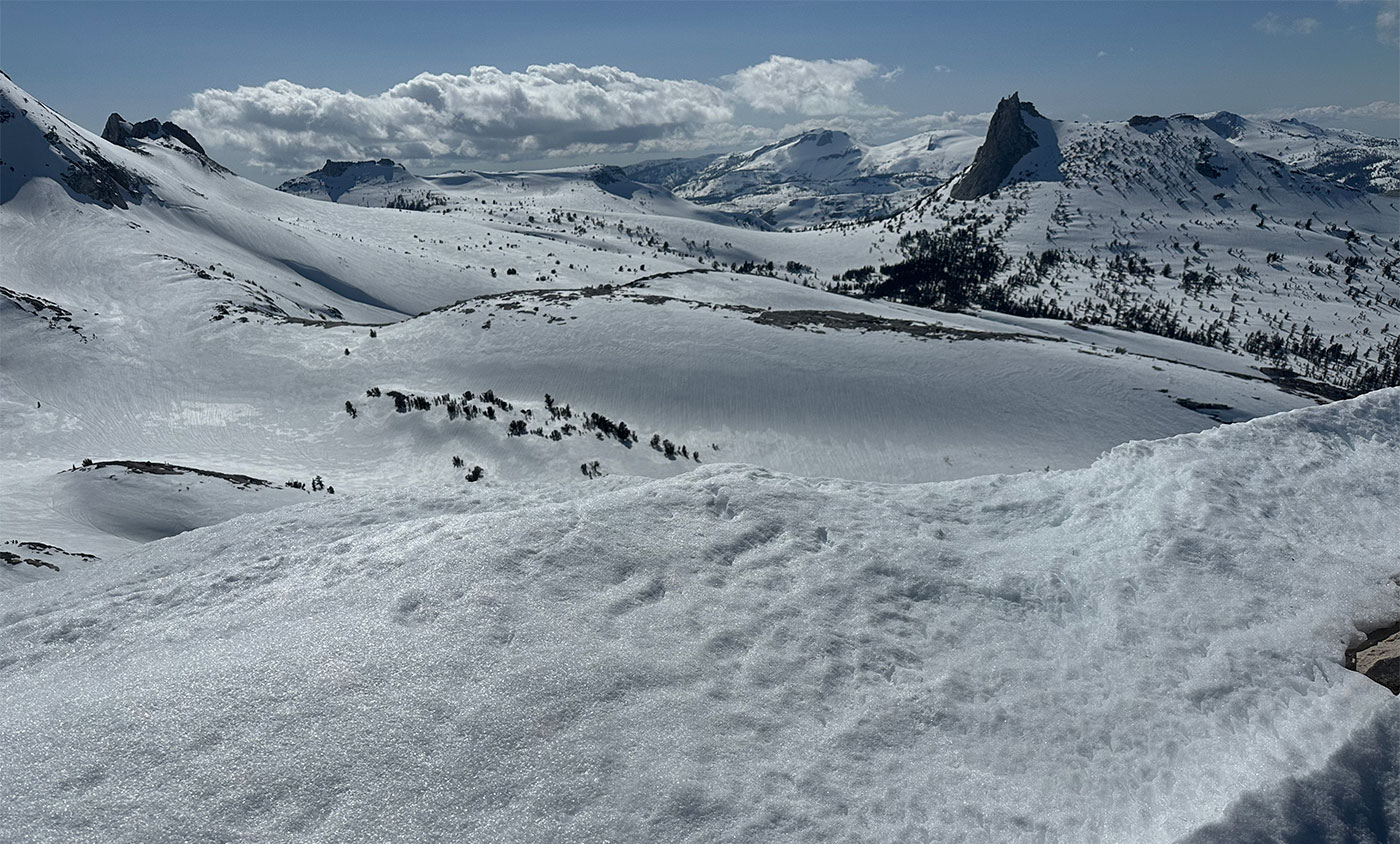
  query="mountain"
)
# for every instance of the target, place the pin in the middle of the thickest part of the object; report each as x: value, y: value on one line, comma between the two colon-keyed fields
x: 1351, y: 158
x: 560, y: 507
x: 1163, y: 225
x: 376, y: 183
x: 122, y: 132
x: 208, y: 326
x: 816, y: 176
x: 1015, y: 131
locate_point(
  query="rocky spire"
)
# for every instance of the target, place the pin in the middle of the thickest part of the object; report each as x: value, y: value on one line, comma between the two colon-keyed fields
x: 1008, y: 141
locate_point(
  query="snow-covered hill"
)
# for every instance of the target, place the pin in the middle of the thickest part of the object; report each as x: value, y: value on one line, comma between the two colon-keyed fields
x: 1148, y: 649
x: 818, y: 176
x: 219, y: 325
x: 1163, y: 225
x: 1352, y: 158
x: 381, y: 184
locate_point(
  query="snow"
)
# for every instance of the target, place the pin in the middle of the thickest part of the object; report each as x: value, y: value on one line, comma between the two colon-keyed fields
x: 1350, y: 157
x: 1137, y: 650
x: 912, y: 575
x: 824, y: 175
x: 207, y: 328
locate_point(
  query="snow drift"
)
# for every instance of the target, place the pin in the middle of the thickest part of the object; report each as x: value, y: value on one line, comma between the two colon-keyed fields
x: 1141, y: 650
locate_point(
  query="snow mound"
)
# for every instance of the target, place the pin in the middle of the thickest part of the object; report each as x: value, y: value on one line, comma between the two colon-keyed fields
x: 1135, y: 651
x: 142, y: 501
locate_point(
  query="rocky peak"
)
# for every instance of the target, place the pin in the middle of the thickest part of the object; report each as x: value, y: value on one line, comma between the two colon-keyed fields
x: 332, y: 169
x: 336, y: 178
x: 605, y: 174
x: 122, y: 132
x: 1008, y: 141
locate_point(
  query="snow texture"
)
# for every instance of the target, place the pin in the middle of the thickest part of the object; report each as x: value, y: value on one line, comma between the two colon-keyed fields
x: 1148, y: 649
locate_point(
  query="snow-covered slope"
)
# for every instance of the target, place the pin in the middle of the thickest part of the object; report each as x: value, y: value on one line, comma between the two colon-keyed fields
x: 1351, y: 158
x: 1161, y: 224
x: 1146, y: 650
x: 821, y: 175
x: 223, y: 326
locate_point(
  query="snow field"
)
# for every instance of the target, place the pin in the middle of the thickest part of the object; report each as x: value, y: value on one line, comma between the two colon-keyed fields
x: 1123, y: 652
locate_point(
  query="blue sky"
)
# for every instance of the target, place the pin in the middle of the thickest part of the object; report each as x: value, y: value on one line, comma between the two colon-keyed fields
x: 696, y: 75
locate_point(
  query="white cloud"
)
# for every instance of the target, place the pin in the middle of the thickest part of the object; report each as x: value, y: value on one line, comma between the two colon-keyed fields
x: 1388, y: 26
x: 785, y: 85
x: 1272, y: 24
x: 556, y: 109
x: 1378, y: 110
x: 545, y: 111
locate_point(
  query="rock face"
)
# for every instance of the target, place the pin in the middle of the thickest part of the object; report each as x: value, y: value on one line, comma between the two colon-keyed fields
x: 336, y: 178
x: 1379, y: 657
x: 119, y: 131
x: 1008, y: 141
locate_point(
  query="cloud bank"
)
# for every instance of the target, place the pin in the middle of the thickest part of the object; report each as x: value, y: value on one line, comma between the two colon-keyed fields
x: 545, y: 111
x: 1378, y: 110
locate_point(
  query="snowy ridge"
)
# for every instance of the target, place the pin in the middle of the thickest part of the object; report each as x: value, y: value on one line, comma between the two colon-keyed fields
x: 1123, y: 652
x: 1162, y: 224
x: 1351, y: 158
x: 825, y: 175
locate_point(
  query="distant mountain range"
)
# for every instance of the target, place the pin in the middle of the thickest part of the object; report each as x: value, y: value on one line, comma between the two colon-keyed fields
x: 826, y: 175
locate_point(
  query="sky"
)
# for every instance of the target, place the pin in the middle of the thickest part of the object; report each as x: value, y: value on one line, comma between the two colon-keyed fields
x: 274, y: 89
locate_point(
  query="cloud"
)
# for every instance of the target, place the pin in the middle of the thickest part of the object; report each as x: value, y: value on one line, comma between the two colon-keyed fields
x: 785, y: 85
x: 1378, y: 110
x: 1388, y: 26
x: 555, y: 109
x: 545, y: 111
x: 1272, y: 24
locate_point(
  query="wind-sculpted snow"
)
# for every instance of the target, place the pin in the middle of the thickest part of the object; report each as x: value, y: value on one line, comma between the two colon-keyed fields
x: 1134, y: 651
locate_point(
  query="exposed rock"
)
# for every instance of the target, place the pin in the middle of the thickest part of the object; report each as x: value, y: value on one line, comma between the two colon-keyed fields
x: 1144, y: 120
x: 1008, y: 141
x: 101, y: 180
x: 606, y: 175
x: 333, y: 169
x: 1379, y: 657
x: 335, y: 178
x: 120, y: 132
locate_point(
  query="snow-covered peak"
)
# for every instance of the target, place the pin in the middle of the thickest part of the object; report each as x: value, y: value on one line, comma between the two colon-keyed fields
x: 36, y: 142
x: 821, y: 175
x: 1352, y: 158
x: 336, y: 179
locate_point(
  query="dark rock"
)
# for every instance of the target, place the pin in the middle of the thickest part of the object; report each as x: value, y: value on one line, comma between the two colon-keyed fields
x: 605, y: 174
x: 1008, y: 141
x: 335, y: 178
x: 120, y: 132
x: 1144, y: 120
x: 99, y: 179
x: 1379, y: 657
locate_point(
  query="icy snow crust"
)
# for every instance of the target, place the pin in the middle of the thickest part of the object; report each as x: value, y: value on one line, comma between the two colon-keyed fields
x: 1135, y: 651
